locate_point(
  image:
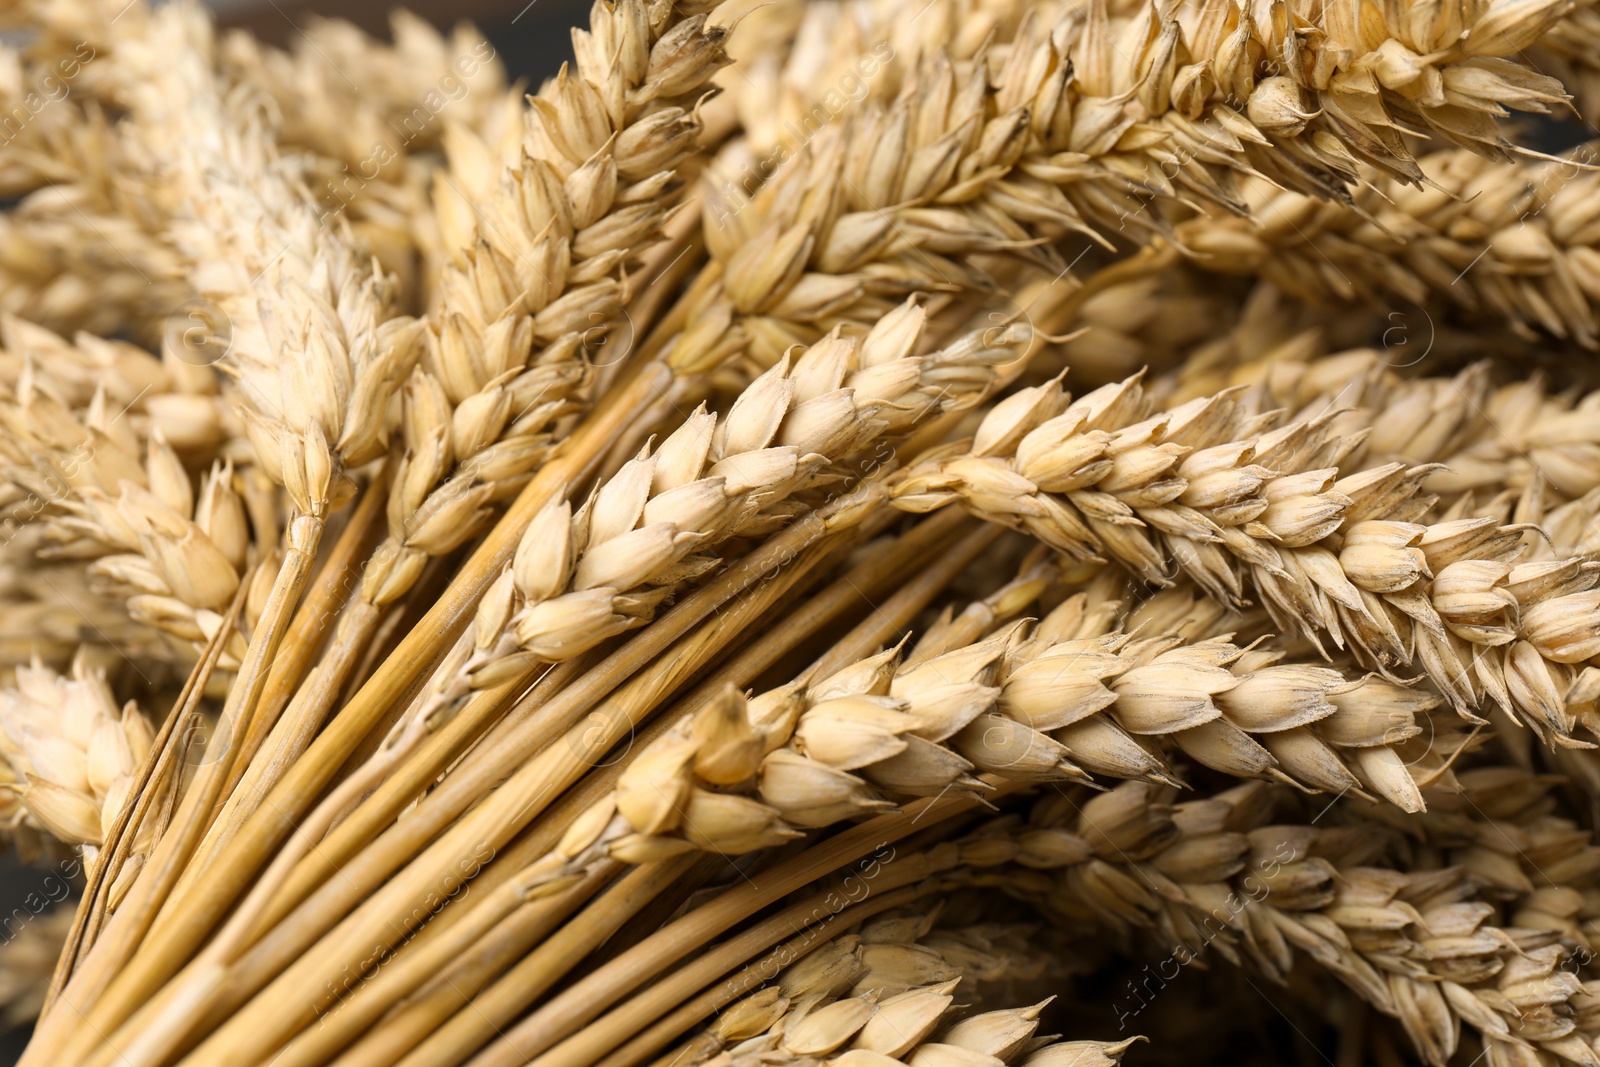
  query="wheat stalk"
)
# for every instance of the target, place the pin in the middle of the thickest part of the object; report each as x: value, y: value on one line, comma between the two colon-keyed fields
x: 401, y: 1029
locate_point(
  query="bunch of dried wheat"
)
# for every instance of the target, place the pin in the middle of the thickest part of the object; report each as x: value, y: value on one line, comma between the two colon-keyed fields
x: 477, y: 582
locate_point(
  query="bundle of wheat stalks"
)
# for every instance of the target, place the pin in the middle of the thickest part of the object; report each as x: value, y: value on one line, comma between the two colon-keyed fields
x: 835, y: 533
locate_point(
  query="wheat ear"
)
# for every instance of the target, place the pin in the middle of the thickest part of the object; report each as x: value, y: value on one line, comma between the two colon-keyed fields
x: 1329, y: 552
x: 1272, y: 892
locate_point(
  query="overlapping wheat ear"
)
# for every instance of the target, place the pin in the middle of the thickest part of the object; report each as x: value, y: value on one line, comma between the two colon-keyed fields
x: 793, y: 52
x: 1080, y: 692
x: 902, y: 193
x: 534, y: 269
x: 81, y: 249
x: 1503, y: 241
x: 893, y: 985
x: 900, y: 390
x: 176, y: 549
x: 344, y: 94
x: 1567, y: 52
x: 1225, y: 497
x: 883, y: 994
x: 46, y: 606
x: 1213, y: 873
x: 1516, y: 438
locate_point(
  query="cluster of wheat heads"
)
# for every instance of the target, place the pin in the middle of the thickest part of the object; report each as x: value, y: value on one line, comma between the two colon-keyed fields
x: 832, y: 534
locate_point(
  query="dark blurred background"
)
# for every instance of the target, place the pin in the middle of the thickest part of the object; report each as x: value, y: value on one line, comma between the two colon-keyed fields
x: 531, y: 35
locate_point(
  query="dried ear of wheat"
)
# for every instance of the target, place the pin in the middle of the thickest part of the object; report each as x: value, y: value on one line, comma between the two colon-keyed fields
x: 601, y: 712
x: 1511, y: 241
x: 1216, y: 875
x: 71, y: 754
x: 1328, y: 549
